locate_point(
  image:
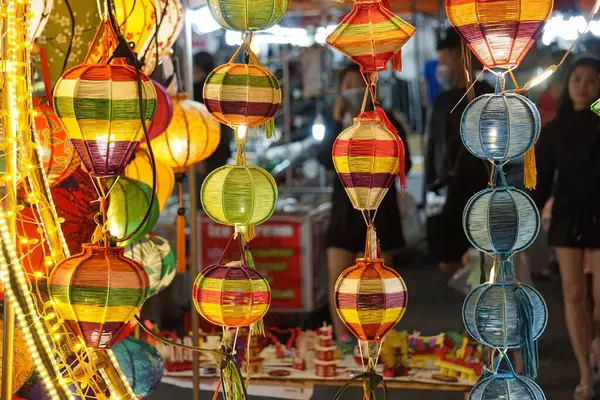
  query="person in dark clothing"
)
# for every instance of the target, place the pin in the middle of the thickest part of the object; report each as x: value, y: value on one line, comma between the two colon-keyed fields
x: 449, y: 167
x: 569, y: 148
x: 347, y: 229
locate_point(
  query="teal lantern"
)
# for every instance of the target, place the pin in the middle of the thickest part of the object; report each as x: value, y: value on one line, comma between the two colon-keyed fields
x: 141, y: 364
x: 506, y: 386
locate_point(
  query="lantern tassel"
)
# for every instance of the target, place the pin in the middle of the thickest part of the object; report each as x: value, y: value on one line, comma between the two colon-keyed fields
x: 270, y: 128
x: 257, y: 328
x: 397, y: 61
x: 181, y: 241
x: 249, y: 232
x: 529, y: 350
x: 530, y: 173
x: 401, y: 156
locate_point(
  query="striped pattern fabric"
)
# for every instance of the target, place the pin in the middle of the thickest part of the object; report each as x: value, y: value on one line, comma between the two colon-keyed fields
x: 370, y: 35
x: 232, y: 295
x: 247, y: 15
x: 242, y: 94
x: 499, y: 32
x: 97, y: 292
x: 367, y: 158
x: 98, y: 106
x: 239, y: 195
x: 370, y: 299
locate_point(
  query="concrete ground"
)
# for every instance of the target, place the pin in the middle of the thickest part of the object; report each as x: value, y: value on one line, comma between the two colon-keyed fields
x: 433, y: 308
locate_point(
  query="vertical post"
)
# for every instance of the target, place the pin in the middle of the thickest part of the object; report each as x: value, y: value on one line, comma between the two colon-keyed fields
x: 287, y: 112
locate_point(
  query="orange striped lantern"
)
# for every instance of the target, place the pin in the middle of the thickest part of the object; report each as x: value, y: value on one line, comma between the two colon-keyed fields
x: 499, y: 32
x: 367, y: 157
x: 371, y: 35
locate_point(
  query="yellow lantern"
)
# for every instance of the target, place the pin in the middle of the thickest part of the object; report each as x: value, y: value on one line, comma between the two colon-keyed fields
x: 140, y: 169
x: 137, y: 20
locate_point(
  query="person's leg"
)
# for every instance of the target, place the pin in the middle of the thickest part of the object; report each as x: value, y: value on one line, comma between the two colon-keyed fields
x: 570, y: 261
x: 593, y: 303
x: 337, y: 261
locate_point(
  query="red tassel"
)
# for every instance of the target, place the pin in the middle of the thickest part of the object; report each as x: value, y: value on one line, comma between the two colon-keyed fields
x: 401, y: 156
x: 181, y: 244
x: 397, y: 61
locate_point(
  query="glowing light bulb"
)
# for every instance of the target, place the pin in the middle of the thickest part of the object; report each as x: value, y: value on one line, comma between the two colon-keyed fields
x: 242, y: 131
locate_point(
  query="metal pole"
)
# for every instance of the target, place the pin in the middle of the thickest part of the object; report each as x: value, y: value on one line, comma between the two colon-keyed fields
x: 287, y: 112
x: 188, y: 72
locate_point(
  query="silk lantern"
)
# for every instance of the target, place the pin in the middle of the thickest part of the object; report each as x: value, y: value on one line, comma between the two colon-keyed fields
x: 247, y: 15
x: 58, y: 155
x: 141, y: 364
x: 371, y: 35
x: 40, y: 12
x: 140, y: 169
x: 98, y: 106
x: 128, y: 204
x: 164, y: 112
x: 367, y: 157
x: 137, y: 21
x: 22, y: 363
x: 155, y: 254
x: 97, y: 292
x: 499, y: 32
x: 596, y: 107
x: 503, y: 220
x: 500, y: 127
x: 506, y: 386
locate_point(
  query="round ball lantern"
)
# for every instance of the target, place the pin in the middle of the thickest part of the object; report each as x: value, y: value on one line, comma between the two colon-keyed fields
x: 501, y: 221
x: 500, y: 127
x: 506, y: 386
x: 490, y: 314
x: 141, y: 364
x: 242, y: 94
x: 97, y: 292
x: 128, y: 204
x: 158, y: 261
x: 164, y: 112
x: 499, y: 33
x: 367, y: 157
x: 98, y: 106
x: 231, y: 295
x: 239, y: 195
x: 56, y: 150
x: 192, y: 136
x: 22, y: 363
x: 140, y: 169
x: 370, y: 299
x: 247, y: 15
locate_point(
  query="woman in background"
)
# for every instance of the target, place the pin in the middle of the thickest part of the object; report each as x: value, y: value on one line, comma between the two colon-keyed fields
x: 347, y: 229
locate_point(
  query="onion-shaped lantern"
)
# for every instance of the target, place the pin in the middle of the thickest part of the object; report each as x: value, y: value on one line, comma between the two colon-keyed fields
x: 141, y: 364
x: 155, y: 254
x: 231, y: 295
x: 239, y: 195
x: 242, y: 95
x: 491, y: 314
x: 506, y: 386
x: 247, y: 15
x: 97, y: 292
x: 367, y: 157
x: 499, y: 32
x: 58, y: 155
x: 500, y: 127
x: 371, y: 35
x: 501, y: 221
x: 22, y: 362
x: 192, y: 136
x: 40, y: 12
x: 164, y: 112
x: 596, y: 107
x: 98, y: 106
x: 140, y: 169
x: 127, y: 207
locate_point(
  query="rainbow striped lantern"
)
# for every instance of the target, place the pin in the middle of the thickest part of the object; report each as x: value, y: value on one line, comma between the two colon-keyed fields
x: 367, y: 157
x: 97, y: 292
x: 371, y: 35
x: 499, y: 32
x: 232, y: 295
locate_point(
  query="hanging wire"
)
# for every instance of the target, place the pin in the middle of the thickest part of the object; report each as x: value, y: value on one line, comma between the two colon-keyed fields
x: 70, y: 45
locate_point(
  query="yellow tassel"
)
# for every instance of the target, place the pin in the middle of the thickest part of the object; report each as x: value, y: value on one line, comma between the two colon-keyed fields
x: 249, y: 232
x: 258, y: 328
x: 270, y: 128
x: 181, y: 243
x: 98, y: 234
x: 530, y: 173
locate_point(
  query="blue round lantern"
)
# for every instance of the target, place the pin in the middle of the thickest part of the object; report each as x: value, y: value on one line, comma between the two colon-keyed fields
x: 141, y: 364
x: 503, y: 220
x: 500, y: 127
x: 506, y: 386
x: 491, y: 314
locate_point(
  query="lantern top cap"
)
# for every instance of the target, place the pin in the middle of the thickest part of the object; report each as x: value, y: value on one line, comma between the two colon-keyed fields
x: 369, y: 261
x: 98, y: 248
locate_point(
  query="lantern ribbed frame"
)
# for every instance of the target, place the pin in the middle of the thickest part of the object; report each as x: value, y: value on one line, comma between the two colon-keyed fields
x: 231, y: 295
x: 370, y: 35
x: 192, y: 136
x: 370, y: 299
x: 242, y: 94
x: 596, y: 107
x: 141, y: 363
x: 500, y: 127
x: 501, y: 221
x: 247, y: 15
x: 499, y: 32
x: 140, y: 169
x: 98, y: 106
x: 164, y: 112
x: 239, y: 195
x: 367, y: 158
x: 57, y: 152
x: 155, y: 255
x: 506, y: 386
x: 97, y: 292
x: 491, y: 316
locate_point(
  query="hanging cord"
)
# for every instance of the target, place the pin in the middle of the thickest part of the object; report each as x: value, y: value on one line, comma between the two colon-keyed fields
x: 70, y: 45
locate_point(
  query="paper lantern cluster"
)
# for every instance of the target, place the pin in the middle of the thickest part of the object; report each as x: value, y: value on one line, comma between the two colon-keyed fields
x: 500, y: 221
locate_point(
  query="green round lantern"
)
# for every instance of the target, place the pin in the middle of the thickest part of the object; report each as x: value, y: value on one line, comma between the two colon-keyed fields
x: 158, y: 259
x: 128, y: 203
x: 239, y: 195
x: 247, y: 15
